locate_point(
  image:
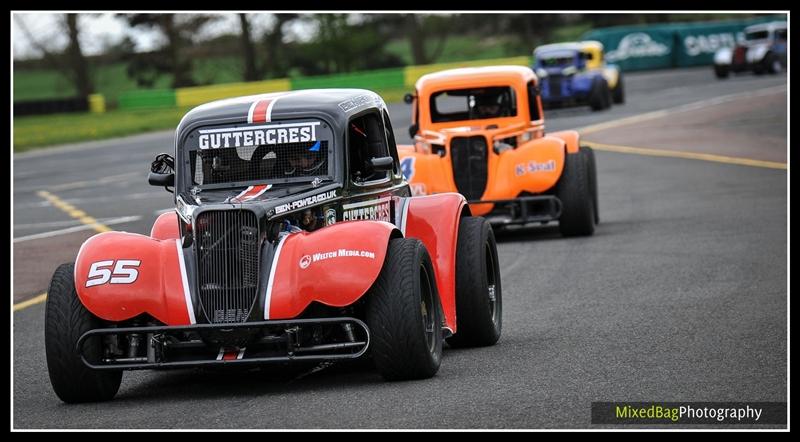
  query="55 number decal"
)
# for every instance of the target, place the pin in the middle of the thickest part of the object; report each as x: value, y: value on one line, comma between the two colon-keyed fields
x: 125, y: 271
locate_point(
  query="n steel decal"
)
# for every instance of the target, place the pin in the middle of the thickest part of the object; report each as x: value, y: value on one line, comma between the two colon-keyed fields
x: 307, y: 201
x: 379, y: 210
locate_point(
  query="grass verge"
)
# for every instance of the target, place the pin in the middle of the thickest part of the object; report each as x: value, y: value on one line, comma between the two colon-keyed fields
x: 36, y: 131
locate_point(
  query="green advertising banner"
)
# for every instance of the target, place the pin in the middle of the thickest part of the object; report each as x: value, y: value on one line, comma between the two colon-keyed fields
x: 637, y: 47
x: 697, y: 43
x: 670, y: 45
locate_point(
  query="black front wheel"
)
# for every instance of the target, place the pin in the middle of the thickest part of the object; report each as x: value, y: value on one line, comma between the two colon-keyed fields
x: 404, y: 314
x: 721, y: 71
x: 65, y: 320
x: 479, y: 294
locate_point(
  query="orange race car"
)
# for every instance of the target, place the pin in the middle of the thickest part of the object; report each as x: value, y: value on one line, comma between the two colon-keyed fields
x: 480, y: 132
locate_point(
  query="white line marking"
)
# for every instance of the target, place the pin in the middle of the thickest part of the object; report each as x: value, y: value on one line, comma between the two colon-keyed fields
x: 271, y: 280
x: 682, y: 108
x: 404, y: 216
x: 93, y: 200
x: 135, y: 176
x: 185, y: 281
x: 79, y: 228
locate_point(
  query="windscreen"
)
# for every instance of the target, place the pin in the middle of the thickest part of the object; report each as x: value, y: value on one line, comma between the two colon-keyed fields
x: 554, y: 62
x: 271, y: 153
x: 757, y: 35
x: 473, y: 104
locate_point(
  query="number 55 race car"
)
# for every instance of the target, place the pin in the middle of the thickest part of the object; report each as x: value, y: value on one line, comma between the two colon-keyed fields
x: 295, y: 239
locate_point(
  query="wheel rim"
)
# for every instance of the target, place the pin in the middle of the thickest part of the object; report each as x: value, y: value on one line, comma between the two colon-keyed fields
x: 491, y: 280
x: 427, y: 308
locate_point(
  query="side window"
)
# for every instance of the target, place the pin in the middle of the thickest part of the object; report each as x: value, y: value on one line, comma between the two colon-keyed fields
x: 366, y: 140
x: 533, y: 102
x: 387, y: 124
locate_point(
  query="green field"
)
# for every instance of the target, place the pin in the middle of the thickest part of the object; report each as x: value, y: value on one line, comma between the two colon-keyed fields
x: 45, y: 130
x: 112, y: 80
x: 37, y: 131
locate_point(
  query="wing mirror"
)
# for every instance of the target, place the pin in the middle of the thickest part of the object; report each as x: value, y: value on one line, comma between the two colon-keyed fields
x: 412, y: 130
x: 408, y: 98
x: 162, y: 171
x: 382, y: 163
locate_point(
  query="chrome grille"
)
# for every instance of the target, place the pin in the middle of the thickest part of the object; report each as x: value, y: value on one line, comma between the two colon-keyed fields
x: 227, y: 264
x: 554, y: 83
x: 470, y: 169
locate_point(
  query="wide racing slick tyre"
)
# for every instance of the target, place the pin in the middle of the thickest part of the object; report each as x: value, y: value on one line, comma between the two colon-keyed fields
x: 479, y: 295
x: 65, y: 320
x: 599, y: 95
x: 772, y: 64
x: 404, y: 314
x: 574, y: 190
x: 721, y: 71
x: 592, y: 165
x: 618, y: 94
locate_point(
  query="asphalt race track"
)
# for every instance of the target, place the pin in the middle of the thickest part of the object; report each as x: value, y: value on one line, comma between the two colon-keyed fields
x: 680, y: 295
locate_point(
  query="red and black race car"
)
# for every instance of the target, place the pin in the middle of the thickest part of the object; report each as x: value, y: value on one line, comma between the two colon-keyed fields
x: 295, y: 239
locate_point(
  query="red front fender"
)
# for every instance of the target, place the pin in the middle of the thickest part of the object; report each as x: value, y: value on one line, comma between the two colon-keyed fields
x: 334, y: 265
x: 119, y: 275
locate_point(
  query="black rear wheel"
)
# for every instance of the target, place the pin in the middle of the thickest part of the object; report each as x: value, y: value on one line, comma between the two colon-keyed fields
x: 65, y: 320
x: 592, y: 165
x: 772, y: 64
x: 479, y: 295
x: 574, y: 189
x: 404, y: 314
x: 619, y: 91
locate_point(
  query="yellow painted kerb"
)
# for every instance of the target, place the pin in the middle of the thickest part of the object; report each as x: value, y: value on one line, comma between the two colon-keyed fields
x: 193, y: 96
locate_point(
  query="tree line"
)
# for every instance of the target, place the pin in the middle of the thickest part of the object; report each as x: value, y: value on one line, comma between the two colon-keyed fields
x: 337, y: 43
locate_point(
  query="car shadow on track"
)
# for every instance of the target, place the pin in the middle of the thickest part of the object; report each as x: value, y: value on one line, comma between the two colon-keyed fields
x: 192, y: 384
x: 527, y: 233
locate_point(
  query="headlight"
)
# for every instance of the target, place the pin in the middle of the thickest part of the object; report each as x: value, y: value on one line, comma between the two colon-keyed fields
x: 185, y: 210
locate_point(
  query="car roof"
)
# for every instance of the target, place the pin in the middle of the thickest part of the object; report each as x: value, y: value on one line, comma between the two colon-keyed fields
x: 569, y: 46
x: 766, y: 26
x: 463, y: 76
x: 337, y: 104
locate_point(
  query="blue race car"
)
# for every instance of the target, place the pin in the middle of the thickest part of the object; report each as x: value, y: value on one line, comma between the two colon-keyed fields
x: 575, y: 73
